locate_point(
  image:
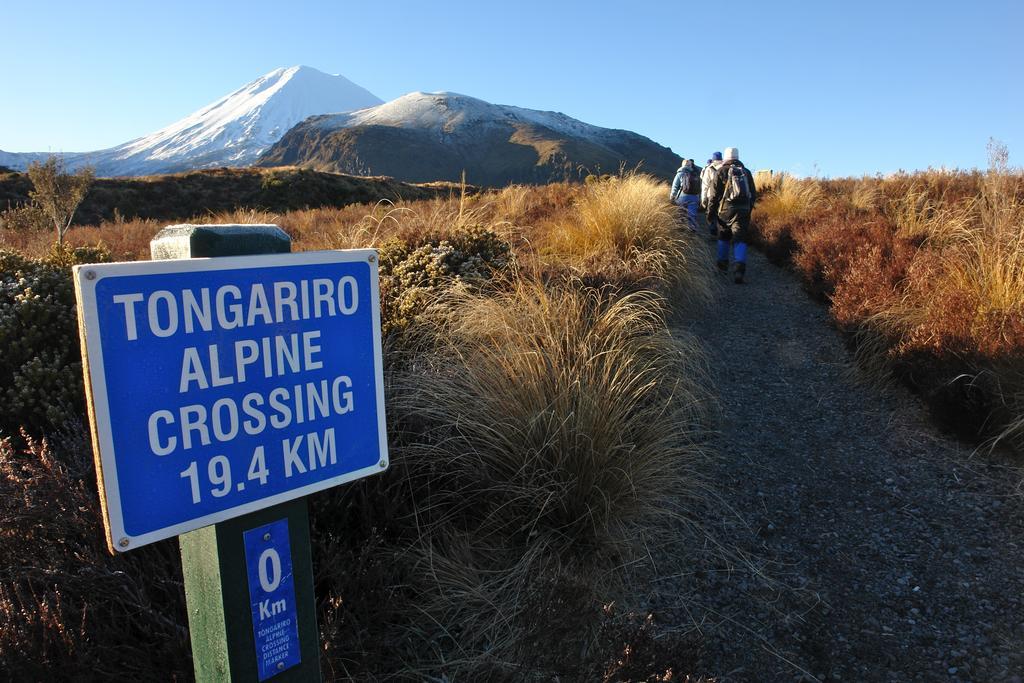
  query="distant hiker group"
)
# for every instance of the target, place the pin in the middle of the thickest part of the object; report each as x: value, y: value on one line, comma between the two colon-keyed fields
x: 724, y: 192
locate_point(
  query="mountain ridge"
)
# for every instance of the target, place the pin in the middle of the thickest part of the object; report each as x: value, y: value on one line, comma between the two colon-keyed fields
x: 436, y: 136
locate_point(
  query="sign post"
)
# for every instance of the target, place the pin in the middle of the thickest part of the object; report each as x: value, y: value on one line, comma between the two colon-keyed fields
x: 226, y: 643
x: 222, y: 391
x: 224, y: 646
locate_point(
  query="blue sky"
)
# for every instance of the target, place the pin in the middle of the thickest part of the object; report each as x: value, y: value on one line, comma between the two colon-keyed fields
x: 830, y: 88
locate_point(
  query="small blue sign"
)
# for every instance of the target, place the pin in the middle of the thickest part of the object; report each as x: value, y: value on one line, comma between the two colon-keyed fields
x: 222, y: 386
x: 275, y: 625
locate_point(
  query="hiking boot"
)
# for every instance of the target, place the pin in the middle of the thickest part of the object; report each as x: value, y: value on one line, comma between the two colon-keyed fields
x: 741, y: 270
x: 723, y: 267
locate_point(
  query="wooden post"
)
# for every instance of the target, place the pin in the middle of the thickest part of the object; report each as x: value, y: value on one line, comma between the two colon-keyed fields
x: 217, y: 578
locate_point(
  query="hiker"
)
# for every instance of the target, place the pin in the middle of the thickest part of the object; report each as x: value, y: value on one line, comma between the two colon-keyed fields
x: 730, y: 199
x: 686, y: 191
x: 707, y: 178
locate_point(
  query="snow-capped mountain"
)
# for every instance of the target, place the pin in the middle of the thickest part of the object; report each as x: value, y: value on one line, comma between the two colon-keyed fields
x: 446, y: 112
x: 19, y: 161
x: 233, y: 131
x: 435, y: 136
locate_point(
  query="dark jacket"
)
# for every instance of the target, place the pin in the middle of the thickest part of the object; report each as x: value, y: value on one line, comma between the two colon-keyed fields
x: 717, y: 189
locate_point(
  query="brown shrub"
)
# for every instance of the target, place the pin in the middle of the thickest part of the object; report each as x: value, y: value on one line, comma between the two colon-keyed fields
x: 68, y: 610
x: 926, y: 272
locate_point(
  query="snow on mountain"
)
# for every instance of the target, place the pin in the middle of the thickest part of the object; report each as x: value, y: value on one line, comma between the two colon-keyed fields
x: 233, y: 131
x: 445, y: 112
x: 422, y: 137
x: 20, y: 160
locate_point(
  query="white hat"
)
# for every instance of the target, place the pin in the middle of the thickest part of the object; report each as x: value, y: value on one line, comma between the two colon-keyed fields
x: 732, y: 154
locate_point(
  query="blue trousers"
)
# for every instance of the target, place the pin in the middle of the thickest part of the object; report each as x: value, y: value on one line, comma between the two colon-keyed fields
x: 688, y: 203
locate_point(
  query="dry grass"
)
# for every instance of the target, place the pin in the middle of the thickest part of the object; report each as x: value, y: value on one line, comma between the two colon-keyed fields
x: 581, y: 405
x: 623, y: 228
x: 867, y: 195
x: 995, y: 247
x: 767, y: 181
x: 542, y: 435
x: 974, y: 255
x: 572, y: 450
x: 990, y: 267
x: 616, y: 230
x: 930, y: 268
x: 789, y: 199
x: 919, y: 216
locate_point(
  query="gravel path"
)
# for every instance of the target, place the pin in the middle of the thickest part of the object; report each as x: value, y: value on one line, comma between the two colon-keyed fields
x: 864, y: 545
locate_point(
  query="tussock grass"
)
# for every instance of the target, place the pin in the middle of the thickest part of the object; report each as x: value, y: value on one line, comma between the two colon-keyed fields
x: 917, y: 215
x: 515, y: 202
x: 966, y: 297
x: 623, y: 225
x: 995, y: 247
x: 767, y: 181
x: 559, y: 441
x: 867, y: 195
x: 991, y: 265
x: 571, y: 402
x: 624, y: 217
x: 789, y: 199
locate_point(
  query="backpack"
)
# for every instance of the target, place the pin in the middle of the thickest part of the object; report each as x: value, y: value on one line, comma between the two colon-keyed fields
x: 737, y: 186
x: 691, y: 182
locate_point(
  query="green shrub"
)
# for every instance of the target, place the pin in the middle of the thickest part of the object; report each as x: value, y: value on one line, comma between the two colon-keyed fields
x: 413, y: 275
x: 24, y: 218
x: 41, y: 384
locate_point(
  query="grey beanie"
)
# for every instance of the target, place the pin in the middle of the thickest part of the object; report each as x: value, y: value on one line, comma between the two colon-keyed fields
x: 732, y: 154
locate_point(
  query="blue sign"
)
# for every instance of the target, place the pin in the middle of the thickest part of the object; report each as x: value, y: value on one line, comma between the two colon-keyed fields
x: 222, y: 386
x: 275, y: 625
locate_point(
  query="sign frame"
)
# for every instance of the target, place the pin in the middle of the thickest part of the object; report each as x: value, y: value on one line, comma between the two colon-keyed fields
x: 86, y: 278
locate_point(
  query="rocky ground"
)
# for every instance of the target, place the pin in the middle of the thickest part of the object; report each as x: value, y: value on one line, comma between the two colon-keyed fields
x: 858, y: 542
